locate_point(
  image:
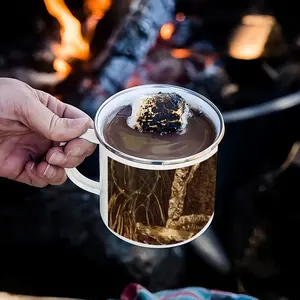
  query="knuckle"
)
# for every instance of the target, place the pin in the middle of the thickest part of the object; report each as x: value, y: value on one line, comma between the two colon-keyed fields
x: 55, y: 131
x: 52, y: 126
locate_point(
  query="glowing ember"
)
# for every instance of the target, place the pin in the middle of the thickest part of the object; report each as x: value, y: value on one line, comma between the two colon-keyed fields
x: 180, y: 53
x: 180, y: 17
x: 167, y: 31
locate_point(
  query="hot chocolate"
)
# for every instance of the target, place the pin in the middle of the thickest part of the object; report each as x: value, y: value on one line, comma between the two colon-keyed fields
x: 199, y: 134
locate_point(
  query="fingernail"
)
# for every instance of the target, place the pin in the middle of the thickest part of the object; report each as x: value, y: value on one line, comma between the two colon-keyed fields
x: 75, y: 123
x: 57, y: 158
x: 75, y: 152
x: 32, y: 166
x: 49, y: 172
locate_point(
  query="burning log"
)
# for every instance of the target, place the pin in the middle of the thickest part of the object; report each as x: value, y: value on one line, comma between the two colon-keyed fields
x: 134, y: 39
x: 71, y: 57
x: 137, y: 36
x: 53, y: 59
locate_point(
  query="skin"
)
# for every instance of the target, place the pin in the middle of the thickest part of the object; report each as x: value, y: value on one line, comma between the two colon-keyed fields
x: 32, y: 123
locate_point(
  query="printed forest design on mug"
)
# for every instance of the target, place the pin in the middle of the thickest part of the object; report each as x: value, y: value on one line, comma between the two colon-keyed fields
x: 160, y: 207
x: 155, y: 197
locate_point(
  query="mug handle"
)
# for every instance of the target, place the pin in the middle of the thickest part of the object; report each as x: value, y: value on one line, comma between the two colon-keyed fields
x: 76, y: 177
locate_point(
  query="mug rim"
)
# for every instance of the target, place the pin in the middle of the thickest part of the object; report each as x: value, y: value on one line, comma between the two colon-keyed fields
x: 146, y: 161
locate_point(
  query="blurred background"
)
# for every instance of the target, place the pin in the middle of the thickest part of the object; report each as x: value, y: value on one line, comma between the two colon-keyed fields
x: 242, y: 55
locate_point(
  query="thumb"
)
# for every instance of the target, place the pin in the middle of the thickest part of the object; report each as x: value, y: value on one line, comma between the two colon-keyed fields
x: 57, y: 129
x: 64, y: 129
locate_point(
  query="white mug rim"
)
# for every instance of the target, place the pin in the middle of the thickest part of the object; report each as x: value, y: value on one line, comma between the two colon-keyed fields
x: 144, y: 161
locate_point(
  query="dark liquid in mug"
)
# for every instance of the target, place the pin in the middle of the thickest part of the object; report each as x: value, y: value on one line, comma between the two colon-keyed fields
x: 197, y: 136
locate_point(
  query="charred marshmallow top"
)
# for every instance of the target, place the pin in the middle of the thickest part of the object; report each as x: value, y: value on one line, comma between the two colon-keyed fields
x: 162, y: 113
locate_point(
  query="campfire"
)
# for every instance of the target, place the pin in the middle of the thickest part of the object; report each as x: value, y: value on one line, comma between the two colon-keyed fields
x: 89, y: 49
x: 92, y: 50
x: 74, y: 44
x: 65, y: 42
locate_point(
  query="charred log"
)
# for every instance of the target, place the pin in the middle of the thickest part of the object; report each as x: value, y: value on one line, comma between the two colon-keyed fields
x: 131, y: 43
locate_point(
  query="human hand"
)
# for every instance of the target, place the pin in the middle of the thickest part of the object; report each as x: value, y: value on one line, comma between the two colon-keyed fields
x: 32, y: 123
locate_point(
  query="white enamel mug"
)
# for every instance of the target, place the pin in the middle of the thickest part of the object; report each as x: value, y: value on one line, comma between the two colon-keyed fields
x: 153, y: 203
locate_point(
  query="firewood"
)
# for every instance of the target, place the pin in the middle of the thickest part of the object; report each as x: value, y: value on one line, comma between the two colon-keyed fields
x: 132, y: 41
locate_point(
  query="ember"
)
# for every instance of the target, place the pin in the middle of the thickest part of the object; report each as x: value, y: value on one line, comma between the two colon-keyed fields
x: 167, y: 31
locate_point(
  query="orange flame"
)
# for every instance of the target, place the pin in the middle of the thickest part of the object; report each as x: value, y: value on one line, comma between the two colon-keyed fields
x: 181, y: 53
x: 62, y: 67
x: 73, y: 44
x: 167, y: 31
x: 96, y: 10
x: 97, y: 7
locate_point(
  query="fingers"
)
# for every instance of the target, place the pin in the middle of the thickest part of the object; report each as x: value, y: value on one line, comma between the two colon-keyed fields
x: 51, y: 174
x: 56, y: 120
x: 30, y: 177
x: 52, y: 170
x: 57, y: 129
x: 41, y: 175
x: 72, y: 155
